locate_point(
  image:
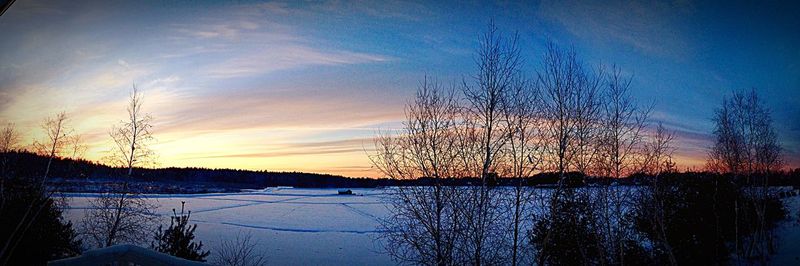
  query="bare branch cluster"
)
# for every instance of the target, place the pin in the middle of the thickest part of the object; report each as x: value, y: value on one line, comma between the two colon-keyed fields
x: 462, y: 131
x: 132, y: 137
x: 9, y: 138
x: 55, y: 140
x: 570, y: 104
x: 123, y: 215
x: 623, y: 124
x: 9, y: 141
x: 746, y: 146
x: 76, y: 148
x: 423, y: 228
x: 499, y: 124
x: 746, y: 142
x: 118, y: 217
x: 658, y: 152
x: 239, y: 251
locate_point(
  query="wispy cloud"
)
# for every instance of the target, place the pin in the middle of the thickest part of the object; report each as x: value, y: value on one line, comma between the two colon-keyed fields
x: 287, y: 56
x: 648, y: 26
x: 402, y: 10
x: 303, y: 148
x: 254, y: 43
x: 278, y: 111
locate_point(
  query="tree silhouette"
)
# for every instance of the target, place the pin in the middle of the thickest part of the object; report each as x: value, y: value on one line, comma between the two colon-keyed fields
x: 746, y: 141
x: 178, y: 238
x: 132, y: 137
x: 117, y: 217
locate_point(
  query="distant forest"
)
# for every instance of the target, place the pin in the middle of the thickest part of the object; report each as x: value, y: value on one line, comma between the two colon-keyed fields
x: 24, y: 164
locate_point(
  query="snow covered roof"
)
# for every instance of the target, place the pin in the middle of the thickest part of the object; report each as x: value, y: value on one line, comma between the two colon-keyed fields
x: 124, y: 255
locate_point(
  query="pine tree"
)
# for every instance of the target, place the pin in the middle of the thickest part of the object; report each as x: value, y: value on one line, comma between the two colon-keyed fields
x: 178, y: 239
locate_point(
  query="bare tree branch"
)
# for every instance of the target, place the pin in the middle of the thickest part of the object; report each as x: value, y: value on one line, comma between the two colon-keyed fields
x: 132, y: 137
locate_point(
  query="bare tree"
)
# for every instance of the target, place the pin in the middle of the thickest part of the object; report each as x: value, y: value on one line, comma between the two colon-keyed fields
x: 746, y: 146
x: 621, y: 145
x: 566, y: 87
x: 9, y: 138
x: 444, y: 139
x: 422, y: 227
x: 498, y: 62
x: 76, y: 147
x: 132, y: 137
x: 240, y: 251
x: 623, y: 127
x: 484, y: 140
x: 523, y: 152
x: 746, y: 142
x: 56, y: 133
x: 560, y: 76
x: 658, y: 152
x: 122, y: 215
x: 56, y: 138
x: 658, y: 159
x: 117, y: 217
x: 588, y: 103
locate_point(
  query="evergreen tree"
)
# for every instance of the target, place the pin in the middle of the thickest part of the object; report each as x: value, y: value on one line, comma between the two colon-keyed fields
x: 178, y: 239
x: 49, y: 235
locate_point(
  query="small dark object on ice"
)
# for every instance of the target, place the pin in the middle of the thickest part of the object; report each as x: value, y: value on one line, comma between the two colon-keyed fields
x: 345, y: 192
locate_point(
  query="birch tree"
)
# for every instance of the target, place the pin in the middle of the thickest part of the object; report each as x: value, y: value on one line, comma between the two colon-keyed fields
x: 133, y: 136
x: 746, y: 146
x: 623, y: 126
x: 122, y: 215
x: 118, y: 217
x: 9, y: 138
x: 422, y: 227
x: 521, y: 112
x: 76, y: 148
x: 565, y: 84
x: 484, y: 140
x: 55, y: 140
x: 746, y: 141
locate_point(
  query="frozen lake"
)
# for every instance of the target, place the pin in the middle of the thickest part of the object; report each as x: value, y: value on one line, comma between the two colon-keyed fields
x: 319, y: 227
x: 293, y: 226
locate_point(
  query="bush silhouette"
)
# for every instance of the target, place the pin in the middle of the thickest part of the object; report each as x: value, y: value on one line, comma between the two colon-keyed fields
x: 178, y: 239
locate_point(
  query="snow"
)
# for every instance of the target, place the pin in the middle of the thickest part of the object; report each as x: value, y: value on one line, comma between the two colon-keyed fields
x: 112, y: 255
x: 319, y: 227
x: 788, y: 233
x: 292, y: 226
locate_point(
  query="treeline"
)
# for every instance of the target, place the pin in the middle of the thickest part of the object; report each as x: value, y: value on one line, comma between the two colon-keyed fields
x: 30, y: 165
x: 27, y: 164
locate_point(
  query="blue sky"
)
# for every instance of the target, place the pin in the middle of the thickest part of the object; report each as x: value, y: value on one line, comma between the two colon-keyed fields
x: 305, y: 85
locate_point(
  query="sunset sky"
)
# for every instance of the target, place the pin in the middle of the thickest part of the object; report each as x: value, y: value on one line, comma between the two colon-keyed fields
x: 304, y: 86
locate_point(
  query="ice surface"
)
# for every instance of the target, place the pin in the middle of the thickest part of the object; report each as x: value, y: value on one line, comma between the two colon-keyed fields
x: 292, y: 226
x: 320, y: 227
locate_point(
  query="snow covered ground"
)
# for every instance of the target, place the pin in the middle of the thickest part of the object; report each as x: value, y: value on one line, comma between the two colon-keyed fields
x: 319, y: 227
x: 292, y: 226
x: 788, y: 233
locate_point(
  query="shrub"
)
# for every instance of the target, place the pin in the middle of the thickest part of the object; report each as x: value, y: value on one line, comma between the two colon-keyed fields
x: 178, y: 239
x: 705, y: 218
x: 48, y: 236
x: 563, y: 235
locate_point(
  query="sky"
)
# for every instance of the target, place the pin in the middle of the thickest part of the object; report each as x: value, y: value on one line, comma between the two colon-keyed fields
x: 305, y: 86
